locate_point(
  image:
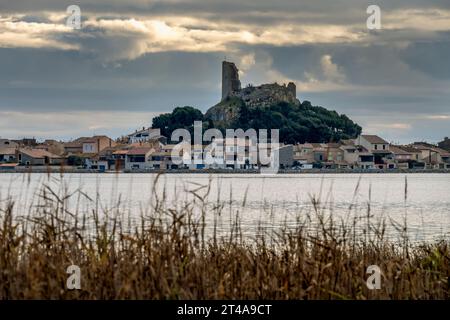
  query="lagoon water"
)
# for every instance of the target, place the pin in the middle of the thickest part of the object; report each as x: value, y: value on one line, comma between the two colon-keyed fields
x: 422, y: 201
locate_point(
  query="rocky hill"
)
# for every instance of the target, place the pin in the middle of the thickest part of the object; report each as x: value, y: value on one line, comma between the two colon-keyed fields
x: 268, y: 106
x: 233, y: 96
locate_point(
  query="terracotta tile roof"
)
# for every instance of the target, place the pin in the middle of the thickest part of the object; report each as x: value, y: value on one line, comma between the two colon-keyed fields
x: 8, y: 151
x: 398, y: 150
x: 442, y: 152
x: 374, y: 139
x: 39, y: 153
x: 409, y: 149
x: 73, y: 144
x: 121, y: 152
x: 139, y: 151
x: 348, y: 142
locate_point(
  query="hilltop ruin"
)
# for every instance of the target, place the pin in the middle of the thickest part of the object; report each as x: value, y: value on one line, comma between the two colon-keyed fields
x: 233, y: 95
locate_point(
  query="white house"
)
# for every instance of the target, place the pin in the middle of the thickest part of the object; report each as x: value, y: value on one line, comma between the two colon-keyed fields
x: 379, y: 148
x: 144, y: 135
x: 138, y: 158
x: 7, y: 154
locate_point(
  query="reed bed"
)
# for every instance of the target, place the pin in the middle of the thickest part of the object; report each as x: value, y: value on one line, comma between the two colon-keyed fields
x: 170, y: 251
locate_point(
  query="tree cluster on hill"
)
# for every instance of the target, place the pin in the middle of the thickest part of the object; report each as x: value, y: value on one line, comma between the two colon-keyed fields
x: 179, y: 118
x: 297, y: 124
x: 303, y: 123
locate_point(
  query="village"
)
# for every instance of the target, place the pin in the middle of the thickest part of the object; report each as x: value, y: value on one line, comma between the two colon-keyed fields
x: 146, y: 150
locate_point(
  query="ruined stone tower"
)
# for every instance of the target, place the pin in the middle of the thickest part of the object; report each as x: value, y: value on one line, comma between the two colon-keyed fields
x: 230, y: 79
x: 264, y: 95
x: 292, y: 89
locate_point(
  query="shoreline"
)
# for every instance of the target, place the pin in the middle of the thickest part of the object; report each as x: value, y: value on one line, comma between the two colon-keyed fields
x: 60, y: 170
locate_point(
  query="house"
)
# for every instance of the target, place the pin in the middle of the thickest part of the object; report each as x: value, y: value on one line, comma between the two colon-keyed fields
x: 286, y: 156
x: 383, y: 157
x: 161, y: 160
x: 145, y: 135
x: 356, y: 156
x: 319, y: 152
x: 96, y: 163
x: 7, y: 155
x: 73, y: 147
x: 407, y: 157
x: 445, y: 159
x: 76, y: 146
x: 372, y: 142
x: 51, y: 146
x: 138, y: 158
x: 306, y: 154
x: 231, y: 152
x: 5, y: 143
x: 236, y: 152
x: 350, y: 153
x: 97, y: 144
x: 37, y: 157
x: 334, y: 156
x: 401, y: 157
x: 112, y: 158
x: 88, y: 145
x: 433, y: 157
x: 303, y: 154
x: 365, y: 159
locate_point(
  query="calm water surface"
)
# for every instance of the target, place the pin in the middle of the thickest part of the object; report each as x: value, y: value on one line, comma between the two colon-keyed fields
x: 269, y: 201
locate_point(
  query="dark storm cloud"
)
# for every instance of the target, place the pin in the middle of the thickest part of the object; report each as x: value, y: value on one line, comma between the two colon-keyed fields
x: 431, y: 58
x: 48, y: 80
x: 395, y: 81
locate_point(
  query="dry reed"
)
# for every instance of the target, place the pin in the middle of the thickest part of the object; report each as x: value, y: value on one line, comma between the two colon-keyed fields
x: 169, y: 252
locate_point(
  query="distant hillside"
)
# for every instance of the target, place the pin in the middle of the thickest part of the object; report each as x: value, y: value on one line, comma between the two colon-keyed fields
x: 225, y: 112
x: 297, y: 123
x: 267, y: 106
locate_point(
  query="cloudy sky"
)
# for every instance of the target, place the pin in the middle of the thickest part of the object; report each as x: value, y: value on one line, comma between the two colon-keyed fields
x: 133, y: 59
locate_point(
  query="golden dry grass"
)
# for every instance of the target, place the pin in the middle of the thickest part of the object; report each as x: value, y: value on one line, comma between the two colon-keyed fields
x: 169, y: 254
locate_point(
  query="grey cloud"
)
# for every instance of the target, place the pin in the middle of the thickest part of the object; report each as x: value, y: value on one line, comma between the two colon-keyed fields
x: 392, y: 77
x: 431, y: 58
x: 54, y: 80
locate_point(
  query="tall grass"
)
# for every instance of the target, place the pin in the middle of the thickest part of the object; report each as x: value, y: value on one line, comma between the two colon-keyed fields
x: 173, y: 252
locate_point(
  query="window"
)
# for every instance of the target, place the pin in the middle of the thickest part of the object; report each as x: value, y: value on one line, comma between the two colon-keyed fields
x: 384, y: 147
x: 376, y: 147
